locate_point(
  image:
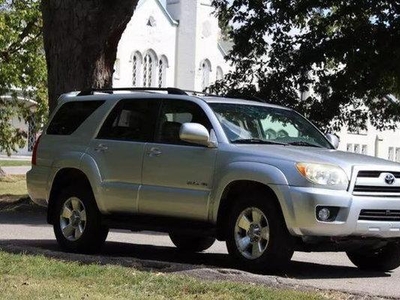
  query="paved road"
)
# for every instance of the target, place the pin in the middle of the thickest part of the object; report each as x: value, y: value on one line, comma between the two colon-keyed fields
x: 320, y: 270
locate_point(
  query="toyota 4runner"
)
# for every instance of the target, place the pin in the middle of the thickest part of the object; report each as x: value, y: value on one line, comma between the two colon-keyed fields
x: 258, y: 176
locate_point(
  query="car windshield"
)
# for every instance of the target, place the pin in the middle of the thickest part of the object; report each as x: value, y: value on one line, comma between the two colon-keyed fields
x: 252, y: 124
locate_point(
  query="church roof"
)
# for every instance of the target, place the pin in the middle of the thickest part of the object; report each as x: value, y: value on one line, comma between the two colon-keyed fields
x: 225, y: 46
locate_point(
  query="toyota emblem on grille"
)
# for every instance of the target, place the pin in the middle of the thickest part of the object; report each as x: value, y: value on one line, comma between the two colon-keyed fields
x: 389, y: 178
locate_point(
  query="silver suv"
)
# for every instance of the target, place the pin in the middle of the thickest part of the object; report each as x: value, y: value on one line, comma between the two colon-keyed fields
x: 258, y: 176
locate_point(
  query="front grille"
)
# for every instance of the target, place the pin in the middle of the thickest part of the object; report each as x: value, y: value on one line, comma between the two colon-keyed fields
x: 377, y: 189
x: 379, y: 215
x: 372, y: 182
x: 375, y: 174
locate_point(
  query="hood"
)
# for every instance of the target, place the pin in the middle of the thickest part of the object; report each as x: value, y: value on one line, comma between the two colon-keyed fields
x: 288, y: 153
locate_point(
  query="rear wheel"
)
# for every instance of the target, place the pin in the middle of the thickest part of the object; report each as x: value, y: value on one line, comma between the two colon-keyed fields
x: 77, y: 221
x: 191, y: 243
x: 383, y: 259
x: 257, y: 235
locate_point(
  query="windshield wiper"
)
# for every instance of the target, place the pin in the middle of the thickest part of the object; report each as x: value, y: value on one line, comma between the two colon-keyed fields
x: 303, y: 143
x: 255, y: 141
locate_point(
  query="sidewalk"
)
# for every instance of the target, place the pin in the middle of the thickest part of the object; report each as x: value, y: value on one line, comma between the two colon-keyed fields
x: 15, y: 157
x: 16, y: 170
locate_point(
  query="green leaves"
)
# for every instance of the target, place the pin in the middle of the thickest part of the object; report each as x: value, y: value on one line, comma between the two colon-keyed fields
x: 22, y: 68
x: 337, y: 55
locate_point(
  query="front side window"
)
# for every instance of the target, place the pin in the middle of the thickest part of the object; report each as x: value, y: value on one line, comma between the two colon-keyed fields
x: 173, y: 114
x: 270, y: 125
x: 78, y: 111
x: 131, y: 120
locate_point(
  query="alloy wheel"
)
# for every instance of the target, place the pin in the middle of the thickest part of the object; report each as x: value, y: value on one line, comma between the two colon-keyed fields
x: 73, y: 219
x: 252, y: 233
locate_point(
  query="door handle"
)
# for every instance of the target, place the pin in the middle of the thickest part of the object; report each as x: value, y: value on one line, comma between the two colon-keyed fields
x: 101, y: 148
x: 154, y: 152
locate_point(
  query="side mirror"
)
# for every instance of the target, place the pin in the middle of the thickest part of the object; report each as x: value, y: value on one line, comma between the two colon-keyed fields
x: 333, y: 139
x: 195, y: 133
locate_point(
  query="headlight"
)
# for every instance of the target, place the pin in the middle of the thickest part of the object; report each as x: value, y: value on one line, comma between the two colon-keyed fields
x: 323, y: 174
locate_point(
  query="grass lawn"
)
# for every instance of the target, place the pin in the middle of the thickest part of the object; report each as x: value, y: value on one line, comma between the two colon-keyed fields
x: 14, y: 163
x: 37, y: 277
x: 13, y: 185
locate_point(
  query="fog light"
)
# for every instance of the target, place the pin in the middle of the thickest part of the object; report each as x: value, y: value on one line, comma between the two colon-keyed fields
x: 324, y: 214
x: 327, y: 213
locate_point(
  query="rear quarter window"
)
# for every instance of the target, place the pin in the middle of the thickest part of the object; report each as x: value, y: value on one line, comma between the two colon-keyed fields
x: 71, y: 115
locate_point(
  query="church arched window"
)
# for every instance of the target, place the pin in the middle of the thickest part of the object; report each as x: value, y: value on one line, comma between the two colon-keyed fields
x: 205, y: 68
x: 219, y: 73
x: 149, y: 68
x: 136, y: 60
x: 162, y: 71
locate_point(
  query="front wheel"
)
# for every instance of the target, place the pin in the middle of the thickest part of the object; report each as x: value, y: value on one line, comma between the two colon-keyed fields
x: 77, y: 221
x: 189, y: 243
x: 383, y: 259
x: 257, y: 235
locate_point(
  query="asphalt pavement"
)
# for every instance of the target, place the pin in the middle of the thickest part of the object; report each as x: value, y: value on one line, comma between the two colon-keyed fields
x: 25, y: 230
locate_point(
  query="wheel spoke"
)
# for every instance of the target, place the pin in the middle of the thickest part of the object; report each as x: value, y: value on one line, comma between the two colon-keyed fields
x: 244, y: 223
x: 257, y: 249
x: 68, y: 230
x: 257, y: 216
x: 83, y: 215
x: 76, y: 204
x: 243, y: 243
x: 66, y: 213
x: 78, y: 231
x: 265, y: 233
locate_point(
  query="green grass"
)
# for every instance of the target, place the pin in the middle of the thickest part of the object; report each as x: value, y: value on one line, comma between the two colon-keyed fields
x: 37, y: 277
x: 13, y: 185
x: 14, y: 163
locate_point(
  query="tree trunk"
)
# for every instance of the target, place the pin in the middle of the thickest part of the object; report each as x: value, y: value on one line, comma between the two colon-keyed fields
x: 80, y: 40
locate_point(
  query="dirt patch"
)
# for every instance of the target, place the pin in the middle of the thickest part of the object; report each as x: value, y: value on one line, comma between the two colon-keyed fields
x: 18, y: 203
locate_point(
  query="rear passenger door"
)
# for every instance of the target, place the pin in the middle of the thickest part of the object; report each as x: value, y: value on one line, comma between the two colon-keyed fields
x: 118, y: 151
x: 177, y: 176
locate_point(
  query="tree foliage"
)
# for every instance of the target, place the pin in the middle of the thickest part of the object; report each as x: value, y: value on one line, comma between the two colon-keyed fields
x: 22, y: 68
x: 344, y: 56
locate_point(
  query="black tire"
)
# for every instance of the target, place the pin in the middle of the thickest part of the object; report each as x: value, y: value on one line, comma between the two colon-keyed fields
x: 383, y: 259
x: 269, y: 243
x: 189, y: 243
x: 83, y: 231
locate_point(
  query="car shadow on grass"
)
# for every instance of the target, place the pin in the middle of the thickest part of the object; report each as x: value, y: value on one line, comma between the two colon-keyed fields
x: 169, y: 259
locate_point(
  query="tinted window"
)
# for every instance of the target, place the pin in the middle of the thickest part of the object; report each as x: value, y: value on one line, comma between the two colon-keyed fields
x: 131, y: 120
x: 173, y: 114
x: 71, y: 115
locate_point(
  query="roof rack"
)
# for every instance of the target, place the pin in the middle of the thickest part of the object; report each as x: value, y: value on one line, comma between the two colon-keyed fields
x: 169, y: 90
x: 205, y: 94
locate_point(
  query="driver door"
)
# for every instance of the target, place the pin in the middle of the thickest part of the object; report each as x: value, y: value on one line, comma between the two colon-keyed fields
x: 177, y: 176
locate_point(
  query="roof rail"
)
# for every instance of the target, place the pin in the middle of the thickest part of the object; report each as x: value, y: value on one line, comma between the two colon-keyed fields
x: 169, y: 90
x: 205, y: 94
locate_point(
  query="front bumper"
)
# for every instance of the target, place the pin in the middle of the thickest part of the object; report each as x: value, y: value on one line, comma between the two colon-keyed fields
x: 304, y: 202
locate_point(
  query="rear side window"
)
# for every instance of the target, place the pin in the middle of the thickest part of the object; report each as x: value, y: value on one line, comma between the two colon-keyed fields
x: 71, y: 115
